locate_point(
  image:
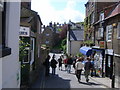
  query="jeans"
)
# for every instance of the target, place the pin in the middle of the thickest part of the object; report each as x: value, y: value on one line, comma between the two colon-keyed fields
x: 68, y: 68
x: 53, y: 71
x: 78, y: 74
x: 87, y: 72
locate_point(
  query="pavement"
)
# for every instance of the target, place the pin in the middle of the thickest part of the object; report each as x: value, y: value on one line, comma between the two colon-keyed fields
x: 104, y: 81
x: 62, y: 79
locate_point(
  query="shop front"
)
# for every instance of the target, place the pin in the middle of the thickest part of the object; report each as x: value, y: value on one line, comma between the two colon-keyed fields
x: 98, y: 56
x: 109, y: 63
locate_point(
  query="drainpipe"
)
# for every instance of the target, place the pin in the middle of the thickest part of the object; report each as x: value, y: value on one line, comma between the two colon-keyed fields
x: 113, y: 75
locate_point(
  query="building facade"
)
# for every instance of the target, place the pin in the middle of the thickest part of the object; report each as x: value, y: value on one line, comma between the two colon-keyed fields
x: 9, y: 45
x: 75, y: 38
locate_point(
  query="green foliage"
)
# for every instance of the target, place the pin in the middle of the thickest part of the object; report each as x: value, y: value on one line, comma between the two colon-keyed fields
x: 59, y: 29
x: 61, y: 45
x: 79, y: 54
x: 23, y: 43
x: 88, y: 42
x: 22, y: 48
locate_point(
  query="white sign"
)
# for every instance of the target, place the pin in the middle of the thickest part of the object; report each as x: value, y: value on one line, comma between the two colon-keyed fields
x: 109, y: 51
x: 24, y: 31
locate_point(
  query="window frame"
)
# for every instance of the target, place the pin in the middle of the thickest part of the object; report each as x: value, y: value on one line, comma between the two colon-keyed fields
x: 102, y: 16
x: 100, y: 32
x: 108, y: 28
x: 4, y: 51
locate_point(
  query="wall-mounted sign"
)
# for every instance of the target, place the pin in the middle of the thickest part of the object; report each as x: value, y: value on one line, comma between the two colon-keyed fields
x: 24, y: 31
x: 102, y: 44
x: 109, y: 51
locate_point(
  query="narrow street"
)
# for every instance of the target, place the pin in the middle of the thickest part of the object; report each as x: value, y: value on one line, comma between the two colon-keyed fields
x: 62, y: 79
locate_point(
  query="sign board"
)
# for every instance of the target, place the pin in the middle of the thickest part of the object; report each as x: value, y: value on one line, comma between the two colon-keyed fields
x: 109, y: 51
x: 24, y: 31
x: 102, y: 44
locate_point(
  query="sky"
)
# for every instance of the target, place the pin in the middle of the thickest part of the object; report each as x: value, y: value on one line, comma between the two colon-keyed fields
x: 59, y: 10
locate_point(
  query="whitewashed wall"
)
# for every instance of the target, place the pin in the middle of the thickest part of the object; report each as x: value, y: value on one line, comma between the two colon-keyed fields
x: 10, y: 63
x: 75, y: 46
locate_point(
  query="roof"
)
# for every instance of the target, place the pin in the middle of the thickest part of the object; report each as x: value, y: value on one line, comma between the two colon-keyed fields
x: 115, y: 11
x: 26, y: 19
x: 76, y: 35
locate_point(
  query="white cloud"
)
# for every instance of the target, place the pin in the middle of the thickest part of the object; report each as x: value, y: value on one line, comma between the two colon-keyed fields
x: 48, y: 13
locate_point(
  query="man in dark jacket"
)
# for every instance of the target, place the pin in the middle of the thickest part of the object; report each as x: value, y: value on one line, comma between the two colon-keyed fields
x: 53, y: 65
x: 69, y: 63
x: 47, y: 65
x: 60, y: 63
x: 87, y: 68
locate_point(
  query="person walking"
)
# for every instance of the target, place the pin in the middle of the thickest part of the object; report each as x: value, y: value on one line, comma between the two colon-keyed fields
x: 60, y: 63
x: 87, y: 68
x: 65, y: 63
x: 53, y: 65
x: 74, y: 61
x: 79, y: 67
x: 69, y: 63
x: 47, y: 65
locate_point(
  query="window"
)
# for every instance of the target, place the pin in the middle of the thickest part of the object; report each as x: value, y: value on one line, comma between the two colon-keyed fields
x: 109, y: 33
x: 47, y: 34
x: 101, y: 18
x: 100, y: 32
x: 118, y: 30
x: 3, y: 49
x: 92, y: 17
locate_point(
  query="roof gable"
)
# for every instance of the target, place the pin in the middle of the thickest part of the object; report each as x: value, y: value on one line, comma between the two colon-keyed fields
x: 76, y: 35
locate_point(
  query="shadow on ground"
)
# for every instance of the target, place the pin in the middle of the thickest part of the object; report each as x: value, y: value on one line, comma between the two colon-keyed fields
x: 89, y: 83
x: 54, y: 81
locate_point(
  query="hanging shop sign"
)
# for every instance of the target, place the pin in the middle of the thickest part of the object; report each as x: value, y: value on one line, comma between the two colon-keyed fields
x: 102, y: 44
x: 24, y: 31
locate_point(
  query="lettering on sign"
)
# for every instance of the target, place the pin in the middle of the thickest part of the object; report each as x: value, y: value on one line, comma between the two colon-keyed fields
x: 24, y: 31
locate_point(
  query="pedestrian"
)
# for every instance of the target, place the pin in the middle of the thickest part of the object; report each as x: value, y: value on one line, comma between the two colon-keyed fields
x: 65, y: 63
x: 87, y: 68
x: 93, y: 71
x: 69, y: 63
x: 53, y: 65
x: 60, y: 63
x: 79, y: 67
x: 47, y: 65
x: 74, y: 61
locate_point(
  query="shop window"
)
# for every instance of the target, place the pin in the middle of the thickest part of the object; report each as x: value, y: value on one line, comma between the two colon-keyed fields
x: 109, y: 33
x: 3, y: 49
x: 118, y: 30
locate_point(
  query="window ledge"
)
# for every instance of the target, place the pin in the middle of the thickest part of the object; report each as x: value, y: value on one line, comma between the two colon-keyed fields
x: 5, y: 52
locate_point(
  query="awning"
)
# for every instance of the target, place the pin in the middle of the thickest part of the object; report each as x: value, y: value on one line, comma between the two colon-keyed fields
x: 86, y: 50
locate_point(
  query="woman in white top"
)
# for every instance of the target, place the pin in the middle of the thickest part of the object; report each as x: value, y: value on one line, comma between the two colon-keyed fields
x: 78, y: 67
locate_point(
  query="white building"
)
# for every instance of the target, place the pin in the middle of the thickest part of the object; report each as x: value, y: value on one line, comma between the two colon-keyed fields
x: 75, y: 37
x: 9, y: 45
